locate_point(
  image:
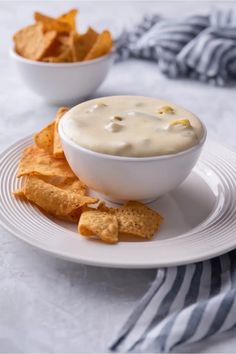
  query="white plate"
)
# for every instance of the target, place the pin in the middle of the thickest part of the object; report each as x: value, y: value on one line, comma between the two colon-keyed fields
x: 200, y: 218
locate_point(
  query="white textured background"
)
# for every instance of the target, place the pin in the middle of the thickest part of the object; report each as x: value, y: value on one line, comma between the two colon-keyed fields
x: 50, y: 305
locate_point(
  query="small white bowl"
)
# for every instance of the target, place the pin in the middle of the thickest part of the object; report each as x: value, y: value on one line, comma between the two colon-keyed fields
x: 63, y: 83
x: 118, y: 178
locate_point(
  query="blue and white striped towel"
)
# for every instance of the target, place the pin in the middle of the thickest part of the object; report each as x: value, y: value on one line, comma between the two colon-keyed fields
x: 201, y: 47
x: 184, y: 304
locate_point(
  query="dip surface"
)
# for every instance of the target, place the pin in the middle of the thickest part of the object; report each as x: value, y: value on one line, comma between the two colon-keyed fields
x: 132, y: 126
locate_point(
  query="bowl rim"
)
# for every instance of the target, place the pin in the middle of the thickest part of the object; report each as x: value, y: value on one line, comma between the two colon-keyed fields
x: 18, y: 57
x: 131, y: 158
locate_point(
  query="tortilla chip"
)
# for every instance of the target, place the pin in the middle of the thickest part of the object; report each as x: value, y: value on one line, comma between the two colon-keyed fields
x: 54, y: 200
x: 32, y: 43
x: 62, y: 53
x: 44, y: 138
x: 52, y: 24
x: 64, y: 40
x: 99, y: 223
x: 48, y: 138
x: 73, y: 217
x: 73, y: 185
x: 102, y: 46
x: 69, y: 18
x: 35, y: 161
x: 70, y: 185
x: 82, y: 44
x: 136, y: 219
x: 102, y: 207
x: 19, y: 193
x: 57, y: 146
x: 61, y: 50
x: 64, y: 57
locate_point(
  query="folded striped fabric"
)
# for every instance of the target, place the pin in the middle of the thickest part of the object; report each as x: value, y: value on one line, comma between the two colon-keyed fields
x: 201, y: 47
x: 184, y: 304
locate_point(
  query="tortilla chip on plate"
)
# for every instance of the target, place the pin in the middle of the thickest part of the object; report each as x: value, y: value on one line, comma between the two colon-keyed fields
x: 99, y: 223
x: 103, y: 207
x: 35, y: 161
x: 57, y: 146
x: 54, y: 200
x: 137, y: 219
x: 44, y: 138
x: 73, y: 185
x: 19, y: 193
x: 48, y: 138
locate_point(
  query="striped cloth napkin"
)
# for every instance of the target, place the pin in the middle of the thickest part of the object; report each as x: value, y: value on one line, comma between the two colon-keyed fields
x: 184, y: 304
x: 201, y: 47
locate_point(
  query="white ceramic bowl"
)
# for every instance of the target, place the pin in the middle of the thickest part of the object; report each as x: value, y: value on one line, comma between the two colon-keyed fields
x: 63, y: 83
x: 119, y: 178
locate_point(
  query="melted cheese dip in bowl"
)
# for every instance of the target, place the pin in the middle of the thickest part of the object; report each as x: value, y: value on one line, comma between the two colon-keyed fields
x: 131, y: 147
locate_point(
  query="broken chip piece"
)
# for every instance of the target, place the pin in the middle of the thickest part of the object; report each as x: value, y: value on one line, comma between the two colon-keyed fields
x: 137, y: 219
x: 99, y: 223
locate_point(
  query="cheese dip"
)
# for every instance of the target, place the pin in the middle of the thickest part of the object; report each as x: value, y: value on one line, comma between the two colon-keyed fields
x: 132, y: 126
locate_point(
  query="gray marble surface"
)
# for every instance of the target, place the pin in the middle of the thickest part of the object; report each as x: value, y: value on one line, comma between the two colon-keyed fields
x: 50, y: 305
